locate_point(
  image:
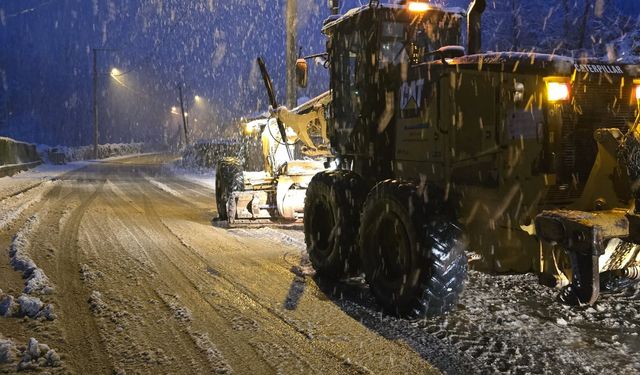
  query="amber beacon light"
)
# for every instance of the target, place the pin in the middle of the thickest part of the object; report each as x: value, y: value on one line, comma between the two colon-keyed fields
x: 418, y: 6
x: 558, y: 90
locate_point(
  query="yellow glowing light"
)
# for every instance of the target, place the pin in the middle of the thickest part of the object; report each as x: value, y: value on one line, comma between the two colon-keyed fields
x: 418, y: 7
x: 638, y: 92
x: 115, y: 72
x: 558, y: 91
x: 197, y: 97
x: 250, y: 128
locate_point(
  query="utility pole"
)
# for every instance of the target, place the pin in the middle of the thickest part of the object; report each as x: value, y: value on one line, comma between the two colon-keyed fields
x: 291, y: 57
x: 95, y: 104
x: 96, y: 132
x: 184, y: 117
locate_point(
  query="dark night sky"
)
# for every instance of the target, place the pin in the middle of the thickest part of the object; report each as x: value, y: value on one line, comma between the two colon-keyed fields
x: 210, y: 45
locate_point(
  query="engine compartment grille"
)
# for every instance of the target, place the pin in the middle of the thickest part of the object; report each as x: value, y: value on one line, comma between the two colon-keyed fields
x: 598, y: 101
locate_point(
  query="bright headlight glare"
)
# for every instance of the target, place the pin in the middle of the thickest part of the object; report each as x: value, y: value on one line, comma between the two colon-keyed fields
x: 419, y: 7
x: 558, y: 91
x: 637, y: 90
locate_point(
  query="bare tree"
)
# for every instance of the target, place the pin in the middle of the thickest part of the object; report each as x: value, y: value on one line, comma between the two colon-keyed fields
x: 582, y: 31
x: 516, y: 23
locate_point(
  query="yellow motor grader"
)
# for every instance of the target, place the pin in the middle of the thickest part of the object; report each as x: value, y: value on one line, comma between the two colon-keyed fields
x: 436, y: 150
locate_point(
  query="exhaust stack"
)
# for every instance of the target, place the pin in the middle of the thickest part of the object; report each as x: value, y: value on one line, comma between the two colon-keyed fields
x: 334, y: 5
x: 474, y: 26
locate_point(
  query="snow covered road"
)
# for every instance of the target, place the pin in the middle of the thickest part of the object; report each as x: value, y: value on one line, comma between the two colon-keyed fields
x: 142, y: 282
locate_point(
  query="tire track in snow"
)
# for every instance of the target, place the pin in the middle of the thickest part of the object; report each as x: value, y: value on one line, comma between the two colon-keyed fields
x: 243, y: 293
x: 89, y: 355
x: 274, y: 352
x: 148, y: 240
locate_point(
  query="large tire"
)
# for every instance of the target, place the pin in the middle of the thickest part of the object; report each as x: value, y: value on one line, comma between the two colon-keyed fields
x: 228, y: 179
x: 331, y: 220
x: 414, y: 260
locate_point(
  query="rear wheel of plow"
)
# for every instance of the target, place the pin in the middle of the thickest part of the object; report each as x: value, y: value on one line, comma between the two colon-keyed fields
x: 414, y: 262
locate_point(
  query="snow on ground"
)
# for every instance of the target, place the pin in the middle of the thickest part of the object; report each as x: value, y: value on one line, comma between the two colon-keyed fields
x: 31, y: 357
x: 25, y: 180
x: 163, y: 187
x: 218, y: 363
x: 36, y: 281
x: 16, y: 205
x: 201, y: 176
x: 7, y: 351
x: 503, y: 324
x: 86, y: 152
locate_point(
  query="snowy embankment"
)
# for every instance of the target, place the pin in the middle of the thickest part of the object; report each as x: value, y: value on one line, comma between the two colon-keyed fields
x: 12, y: 211
x: 63, y: 154
x: 16, y: 156
x: 36, y: 281
x: 27, y: 180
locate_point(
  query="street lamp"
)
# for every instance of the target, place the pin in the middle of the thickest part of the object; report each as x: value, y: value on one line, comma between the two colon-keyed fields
x: 115, y: 72
x: 197, y: 98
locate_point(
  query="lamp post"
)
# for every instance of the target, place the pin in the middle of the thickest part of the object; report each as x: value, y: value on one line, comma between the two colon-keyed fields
x: 96, y: 131
x: 184, y: 117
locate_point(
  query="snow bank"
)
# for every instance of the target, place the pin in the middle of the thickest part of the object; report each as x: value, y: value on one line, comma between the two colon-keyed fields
x: 96, y: 304
x: 30, y: 306
x: 32, y: 356
x: 10, y: 216
x: 54, y: 154
x: 8, y: 306
x: 218, y: 363
x: 36, y: 280
x: 25, y: 305
x: 7, y: 351
x: 38, y: 355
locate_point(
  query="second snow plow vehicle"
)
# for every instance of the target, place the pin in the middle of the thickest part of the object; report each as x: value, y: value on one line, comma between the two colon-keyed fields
x: 434, y: 145
x: 292, y: 156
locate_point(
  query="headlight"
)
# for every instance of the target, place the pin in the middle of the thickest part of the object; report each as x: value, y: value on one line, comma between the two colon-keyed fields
x: 250, y: 128
x: 418, y: 7
x: 637, y: 90
x: 558, y: 90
